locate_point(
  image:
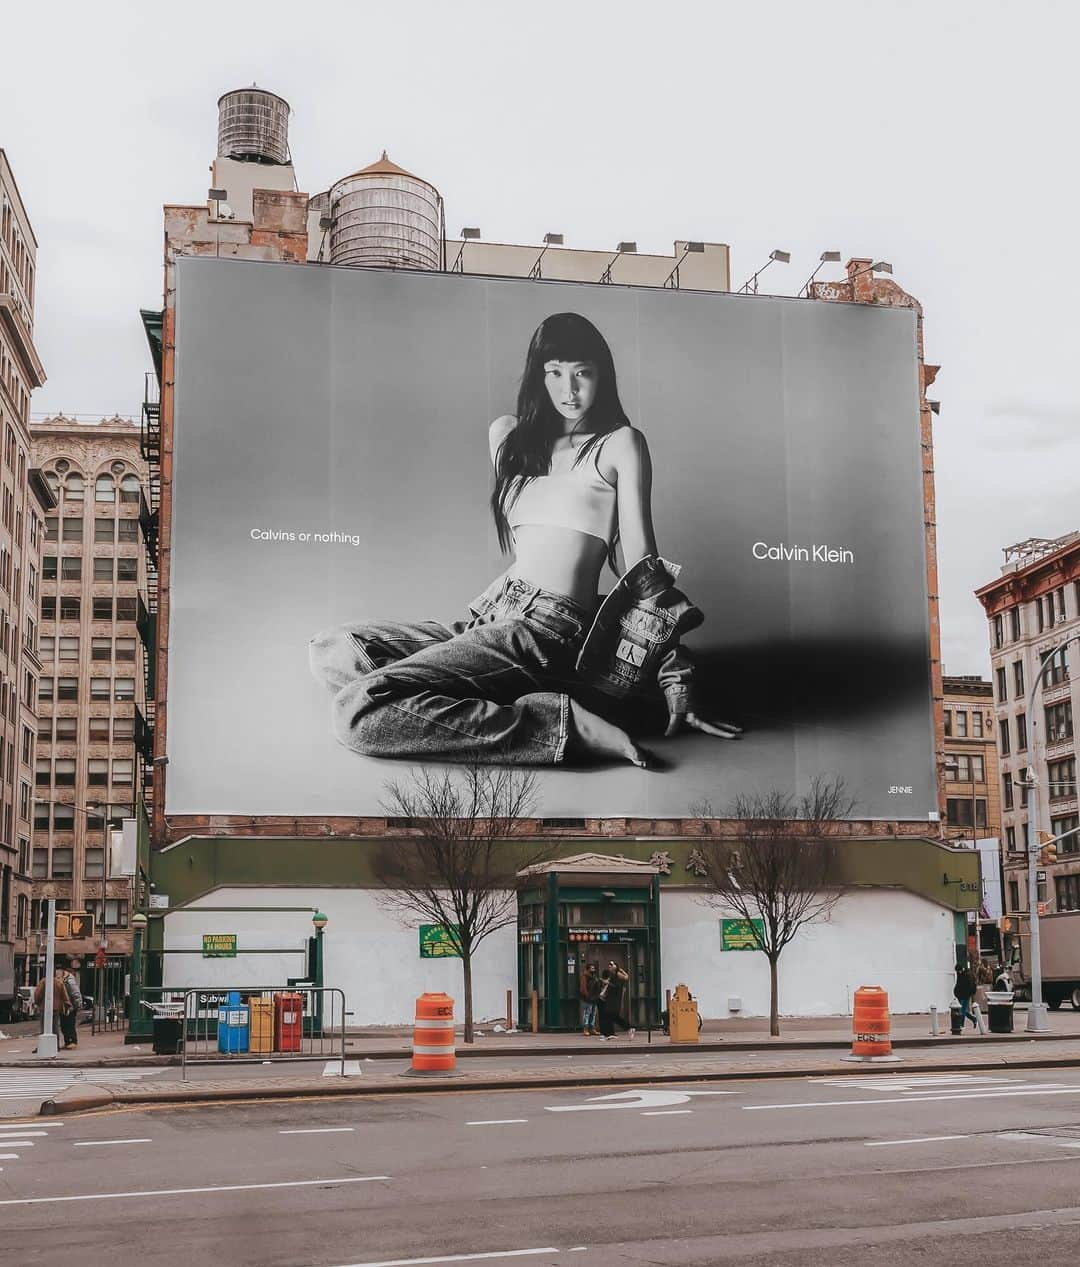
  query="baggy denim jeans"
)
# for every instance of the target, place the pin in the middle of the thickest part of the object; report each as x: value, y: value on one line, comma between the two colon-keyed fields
x: 493, y: 689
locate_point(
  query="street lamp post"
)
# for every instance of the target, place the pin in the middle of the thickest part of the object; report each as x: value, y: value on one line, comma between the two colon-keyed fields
x: 46, y: 1044
x: 1038, y: 1021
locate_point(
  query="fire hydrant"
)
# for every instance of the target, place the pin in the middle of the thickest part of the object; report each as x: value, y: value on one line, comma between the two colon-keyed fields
x: 683, y: 1016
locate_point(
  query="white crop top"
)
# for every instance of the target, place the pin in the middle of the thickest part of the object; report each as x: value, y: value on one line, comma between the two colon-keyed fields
x: 571, y: 496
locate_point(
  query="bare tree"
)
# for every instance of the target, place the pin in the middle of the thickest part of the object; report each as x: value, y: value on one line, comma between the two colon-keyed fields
x: 781, y: 869
x: 460, y: 871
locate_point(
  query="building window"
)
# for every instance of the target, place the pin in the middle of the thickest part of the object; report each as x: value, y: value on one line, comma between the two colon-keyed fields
x: 70, y: 607
x: 41, y: 816
x: 958, y: 812
x: 1014, y: 620
x: 1018, y: 679
x: 103, y: 568
x: 44, y: 729
x: 99, y: 730
x: 104, y: 531
x: 94, y: 863
x: 130, y: 490
x: 127, y: 530
x: 1059, y: 721
x: 69, y: 648
x: 1067, y: 892
x: 71, y: 568
x: 100, y: 688
x: 48, y: 608
x: 127, y: 569
x: 67, y: 688
x: 1060, y: 826
x: 48, y: 567
x: 52, y: 524
x: 43, y: 772
x: 948, y: 723
x: 1058, y: 672
x: 125, y: 688
x: 104, y: 489
x: 1061, y: 778
x: 41, y: 863
x: 1021, y: 733
x: 125, y: 648
x: 63, y: 862
x: 46, y: 649
x: 97, y: 773
x: 63, y: 817
x: 116, y: 912
x: 64, y: 772
x: 1003, y: 736
x: 1014, y: 895
x: 1007, y: 791
x: 100, y: 648
x: 999, y: 632
x: 103, y: 609
x: 963, y: 767
x: 961, y: 724
x: 122, y: 772
x: 977, y: 724
x: 74, y: 488
x: 67, y: 729
x: 72, y: 529
x: 123, y: 729
x: 1002, y: 685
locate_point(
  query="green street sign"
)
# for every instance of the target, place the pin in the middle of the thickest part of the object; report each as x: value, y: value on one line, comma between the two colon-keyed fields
x: 737, y: 934
x: 436, y: 943
x: 219, y: 945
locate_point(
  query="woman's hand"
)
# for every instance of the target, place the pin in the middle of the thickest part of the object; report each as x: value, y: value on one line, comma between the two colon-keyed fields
x: 692, y: 721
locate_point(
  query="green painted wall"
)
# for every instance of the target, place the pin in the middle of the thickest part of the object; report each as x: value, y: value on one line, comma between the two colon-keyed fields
x: 187, y: 870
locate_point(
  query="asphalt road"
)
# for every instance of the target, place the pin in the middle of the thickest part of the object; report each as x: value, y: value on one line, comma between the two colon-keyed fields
x: 890, y: 1169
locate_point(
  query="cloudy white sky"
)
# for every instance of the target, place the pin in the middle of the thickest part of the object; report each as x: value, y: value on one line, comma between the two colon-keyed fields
x: 937, y: 134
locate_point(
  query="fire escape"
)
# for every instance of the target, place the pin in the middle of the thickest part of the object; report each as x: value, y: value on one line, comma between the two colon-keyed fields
x: 149, y: 521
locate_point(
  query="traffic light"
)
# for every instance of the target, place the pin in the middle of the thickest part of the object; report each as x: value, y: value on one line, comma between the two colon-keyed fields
x: 1048, y: 853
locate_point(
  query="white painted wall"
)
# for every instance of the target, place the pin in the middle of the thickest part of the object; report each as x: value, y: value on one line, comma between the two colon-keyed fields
x: 369, y: 954
x: 884, y: 937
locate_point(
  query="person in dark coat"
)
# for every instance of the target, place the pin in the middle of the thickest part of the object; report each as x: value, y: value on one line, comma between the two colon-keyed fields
x: 964, y: 990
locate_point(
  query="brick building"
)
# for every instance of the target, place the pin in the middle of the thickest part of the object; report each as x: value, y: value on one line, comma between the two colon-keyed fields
x: 1033, y: 614
x: 94, y: 671
x: 24, y: 501
x: 972, y: 788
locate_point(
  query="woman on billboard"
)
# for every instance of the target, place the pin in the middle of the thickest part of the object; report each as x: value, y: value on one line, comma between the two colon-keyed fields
x: 540, y: 669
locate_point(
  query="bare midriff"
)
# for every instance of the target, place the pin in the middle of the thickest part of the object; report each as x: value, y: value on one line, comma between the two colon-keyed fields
x: 561, y: 560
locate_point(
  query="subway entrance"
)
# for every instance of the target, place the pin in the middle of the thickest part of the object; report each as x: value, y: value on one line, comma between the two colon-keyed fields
x: 590, y: 908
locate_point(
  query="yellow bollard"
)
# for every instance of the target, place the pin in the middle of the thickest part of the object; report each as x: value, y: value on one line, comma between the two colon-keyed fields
x: 683, y: 1016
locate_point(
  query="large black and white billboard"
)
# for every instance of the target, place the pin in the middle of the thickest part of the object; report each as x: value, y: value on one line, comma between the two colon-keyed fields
x: 667, y: 547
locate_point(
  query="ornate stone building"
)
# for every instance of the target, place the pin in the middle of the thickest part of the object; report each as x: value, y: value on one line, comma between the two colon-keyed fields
x: 89, y: 772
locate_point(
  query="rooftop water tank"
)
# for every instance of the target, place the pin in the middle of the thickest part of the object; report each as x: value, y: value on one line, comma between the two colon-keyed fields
x: 253, y: 126
x: 385, y: 217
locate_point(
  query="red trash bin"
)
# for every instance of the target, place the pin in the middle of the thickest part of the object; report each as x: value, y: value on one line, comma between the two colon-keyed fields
x: 288, y: 1021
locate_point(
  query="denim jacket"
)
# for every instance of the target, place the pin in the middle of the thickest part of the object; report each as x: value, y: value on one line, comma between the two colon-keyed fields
x: 633, y: 642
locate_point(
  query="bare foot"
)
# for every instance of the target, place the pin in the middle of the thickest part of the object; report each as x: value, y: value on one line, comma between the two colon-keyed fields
x: 598, y: 738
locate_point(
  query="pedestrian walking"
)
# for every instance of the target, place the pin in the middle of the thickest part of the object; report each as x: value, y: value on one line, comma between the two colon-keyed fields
x: 69, y: 1019
x: 588, y: 992
x: 60, y: 1000
x: 984, y: 979
x: 612, y: 983
x: 964, y: 990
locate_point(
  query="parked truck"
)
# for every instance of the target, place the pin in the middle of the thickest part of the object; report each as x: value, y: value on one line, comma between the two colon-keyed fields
x: 1059, y: 938
x: 9, y: 995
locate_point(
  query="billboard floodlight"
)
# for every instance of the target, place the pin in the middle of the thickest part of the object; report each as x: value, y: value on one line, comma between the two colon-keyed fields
x: 882, y: 266
x: 467, y: 235
x: 217, y: 195
x: 550, y: 239
x: 470, y: 235
x: 689, y: 248
x: 624, y: 248
x: 627, y: 248
x: 749, y: 287
x: 827, y: 257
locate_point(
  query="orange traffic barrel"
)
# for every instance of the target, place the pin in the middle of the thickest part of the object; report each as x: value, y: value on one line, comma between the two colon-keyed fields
x: 433, y: 1034
x: 870, y: 1023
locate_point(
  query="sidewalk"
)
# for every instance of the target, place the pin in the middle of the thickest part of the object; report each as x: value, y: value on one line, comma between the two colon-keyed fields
x: 743, y: 1036
x: 688, y: 1065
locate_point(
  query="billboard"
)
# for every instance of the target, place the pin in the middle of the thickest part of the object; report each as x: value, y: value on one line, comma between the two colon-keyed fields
x: 342, y: 607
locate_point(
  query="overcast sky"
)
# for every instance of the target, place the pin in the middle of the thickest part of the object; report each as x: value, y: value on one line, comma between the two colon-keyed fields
x: 937, y: 135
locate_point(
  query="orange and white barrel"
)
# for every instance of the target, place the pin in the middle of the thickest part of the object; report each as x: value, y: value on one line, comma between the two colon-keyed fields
x: 870, y: 1022
x: 433, y: 1035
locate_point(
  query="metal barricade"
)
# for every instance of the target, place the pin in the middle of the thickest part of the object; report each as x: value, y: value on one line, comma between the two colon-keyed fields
x: 318, y: 1033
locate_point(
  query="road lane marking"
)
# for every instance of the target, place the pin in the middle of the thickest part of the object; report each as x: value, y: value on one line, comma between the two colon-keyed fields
x: 4, y: 1139
x: 907, y: 1099
x: 339, y: 1069
x: 926, y: 1139
x: 665, y: 1112
x: 187, y: 1192
x: 318, y: 1130
x: 100, y: 1143
x: 9, y: 1156
x: 500, y: 1121
x: 17, y: 1143
x: 639, y: 1099
x: 1035, y: 1138
x: 457, y: 1258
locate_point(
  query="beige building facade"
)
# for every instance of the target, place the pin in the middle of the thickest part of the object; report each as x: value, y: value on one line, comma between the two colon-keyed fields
x: 92, y: 737
x: 24, y: 501
x: 972, y: 786
x: 1033, y: 610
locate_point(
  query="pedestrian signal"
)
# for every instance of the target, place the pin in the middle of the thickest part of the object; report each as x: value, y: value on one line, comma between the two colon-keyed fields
x: 74, y: 925
x: 1006, y: 924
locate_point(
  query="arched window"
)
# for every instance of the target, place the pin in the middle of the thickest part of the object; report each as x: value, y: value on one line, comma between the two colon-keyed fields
x: 129, y: 489
x: 104, y: 489
x: 74, y: 489
x: 53, y: 481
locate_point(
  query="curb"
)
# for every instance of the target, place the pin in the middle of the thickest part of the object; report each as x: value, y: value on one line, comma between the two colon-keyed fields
x: 716, y: 1046
x: 75, y: 1100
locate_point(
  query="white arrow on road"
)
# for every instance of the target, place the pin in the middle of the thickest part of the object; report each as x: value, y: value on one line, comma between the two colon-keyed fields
x: 632, y: 1100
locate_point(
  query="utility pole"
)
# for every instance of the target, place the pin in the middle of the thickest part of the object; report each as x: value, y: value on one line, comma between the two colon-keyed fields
x: 46, y: 1046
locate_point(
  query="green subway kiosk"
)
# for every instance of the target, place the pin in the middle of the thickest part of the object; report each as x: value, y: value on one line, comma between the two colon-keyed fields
x: 589, y: 908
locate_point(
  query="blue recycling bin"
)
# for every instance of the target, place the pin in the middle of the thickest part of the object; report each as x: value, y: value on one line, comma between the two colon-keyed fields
x: 234, y: 1025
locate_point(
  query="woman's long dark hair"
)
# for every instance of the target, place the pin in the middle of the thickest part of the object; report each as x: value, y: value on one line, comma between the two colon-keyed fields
x: 526, y: 451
